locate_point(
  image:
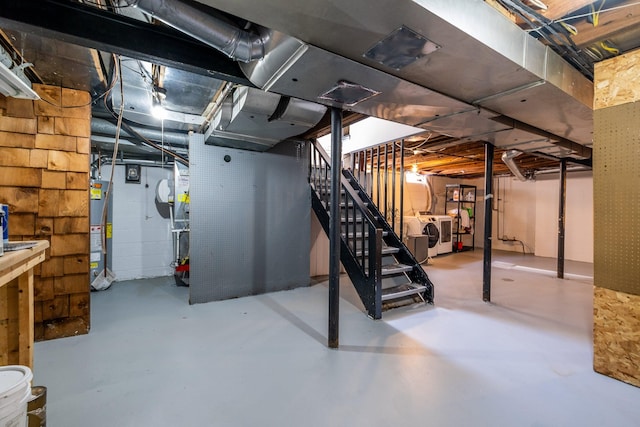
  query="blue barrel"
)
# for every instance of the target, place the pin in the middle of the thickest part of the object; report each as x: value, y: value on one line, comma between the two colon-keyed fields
x: 5, y: 222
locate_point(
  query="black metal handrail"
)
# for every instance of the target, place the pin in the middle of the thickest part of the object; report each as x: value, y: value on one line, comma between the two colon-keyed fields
x: 361, y: 237
x: 417, y: 274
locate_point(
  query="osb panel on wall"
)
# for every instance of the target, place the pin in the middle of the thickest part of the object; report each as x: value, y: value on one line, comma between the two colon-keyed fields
x: 616, y: 198
x: 617, y: 80
x: 616, y: 335
x: 44, y: 178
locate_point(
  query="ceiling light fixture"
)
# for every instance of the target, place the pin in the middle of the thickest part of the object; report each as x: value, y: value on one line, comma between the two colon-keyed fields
x: 13, y: 86
x: 158, y: 94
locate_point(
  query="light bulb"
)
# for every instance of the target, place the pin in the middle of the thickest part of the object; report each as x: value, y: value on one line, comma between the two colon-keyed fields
x: 158, y: 111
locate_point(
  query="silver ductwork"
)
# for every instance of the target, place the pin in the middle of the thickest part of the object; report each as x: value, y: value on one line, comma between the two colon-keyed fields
x: 472, y: 66
x: 236, y: 43
x: 103, y: 127
x: 507, y: 158
x: 252, y: 119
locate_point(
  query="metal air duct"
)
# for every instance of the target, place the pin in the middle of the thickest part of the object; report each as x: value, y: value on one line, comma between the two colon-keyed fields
x: 507, y: 158
x: 236, y: 43
x: 106, y: 128
x: 446, y: 66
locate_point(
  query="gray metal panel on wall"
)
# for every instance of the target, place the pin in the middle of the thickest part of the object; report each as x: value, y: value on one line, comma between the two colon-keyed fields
x: 250, y: 220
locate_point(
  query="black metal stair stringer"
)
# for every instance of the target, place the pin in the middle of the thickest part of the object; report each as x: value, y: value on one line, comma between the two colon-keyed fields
x: 404, y: 256
x: 357, y: 277
x: 360, y: 234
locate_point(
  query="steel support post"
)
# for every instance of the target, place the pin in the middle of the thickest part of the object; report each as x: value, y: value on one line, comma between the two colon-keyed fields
x: 334, y: 227
x: 561, y: 217
x: 488, y: 220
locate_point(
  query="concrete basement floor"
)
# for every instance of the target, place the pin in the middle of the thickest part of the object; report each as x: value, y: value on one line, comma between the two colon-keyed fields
x: 523, y: 360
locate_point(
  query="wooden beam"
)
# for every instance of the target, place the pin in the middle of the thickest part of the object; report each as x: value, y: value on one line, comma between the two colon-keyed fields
x: 610, y: 23
x: 559, y: 8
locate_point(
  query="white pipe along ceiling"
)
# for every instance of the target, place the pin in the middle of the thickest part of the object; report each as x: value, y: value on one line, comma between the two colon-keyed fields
x: 457, y: 68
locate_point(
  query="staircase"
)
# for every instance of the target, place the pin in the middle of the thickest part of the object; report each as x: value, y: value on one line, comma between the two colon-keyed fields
x: 381, y: 268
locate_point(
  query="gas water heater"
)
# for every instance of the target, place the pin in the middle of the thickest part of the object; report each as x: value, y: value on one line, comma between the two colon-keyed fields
x: 100, y: 231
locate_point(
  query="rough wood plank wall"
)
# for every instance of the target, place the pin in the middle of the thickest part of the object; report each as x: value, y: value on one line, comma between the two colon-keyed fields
x: 616, y: 344
x: 44, y: 178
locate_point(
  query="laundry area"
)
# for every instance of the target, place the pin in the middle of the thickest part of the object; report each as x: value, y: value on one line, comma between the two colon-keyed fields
x: 328, y: 213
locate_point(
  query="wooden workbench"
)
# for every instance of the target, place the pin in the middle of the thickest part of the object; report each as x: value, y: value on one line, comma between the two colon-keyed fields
x: 16, y: 304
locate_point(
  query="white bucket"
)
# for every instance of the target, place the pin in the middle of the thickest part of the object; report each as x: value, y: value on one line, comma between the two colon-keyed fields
x: 15, y: 392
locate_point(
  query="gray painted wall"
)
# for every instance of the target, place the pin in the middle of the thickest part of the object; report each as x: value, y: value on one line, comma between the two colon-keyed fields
x: 250, y: 220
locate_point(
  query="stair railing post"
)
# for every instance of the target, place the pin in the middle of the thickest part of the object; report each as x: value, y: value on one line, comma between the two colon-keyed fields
x: 393, y: 186
x: 378, y: 177
x: 370, y: 168
x: 386, y: 181
x: 334, y: 227
x: 401, y: 189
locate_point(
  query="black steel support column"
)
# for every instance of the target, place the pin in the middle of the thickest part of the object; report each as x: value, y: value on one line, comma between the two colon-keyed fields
x: 401, y: 187
x: 334, y: 227
x: 561, y: 217
x: 488, y: 221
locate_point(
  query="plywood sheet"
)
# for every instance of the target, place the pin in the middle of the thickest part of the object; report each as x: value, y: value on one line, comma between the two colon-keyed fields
x: 616, y: 335
x: 616, y: 187
x: 617, y: 80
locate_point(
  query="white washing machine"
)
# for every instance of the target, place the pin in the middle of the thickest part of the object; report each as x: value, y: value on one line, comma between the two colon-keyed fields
x: 444, y: 226
x: 419, y: 234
